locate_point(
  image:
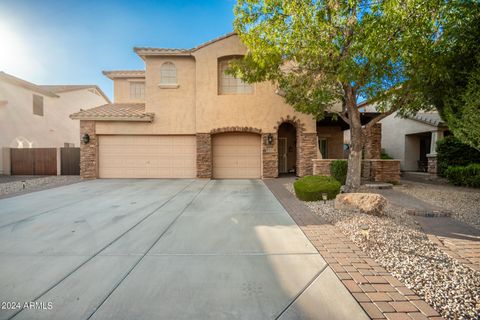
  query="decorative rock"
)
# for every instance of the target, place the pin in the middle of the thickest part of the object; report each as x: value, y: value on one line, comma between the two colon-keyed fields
x: 369, y: 203
x: 400, y: 246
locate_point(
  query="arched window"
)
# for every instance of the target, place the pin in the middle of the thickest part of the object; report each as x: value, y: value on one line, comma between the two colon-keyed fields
x: 168, y: 73
x: 228, y: 84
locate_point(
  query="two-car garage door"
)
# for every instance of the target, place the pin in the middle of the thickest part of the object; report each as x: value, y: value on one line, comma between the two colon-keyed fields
x: 234, y: 156
x: 147, y: 157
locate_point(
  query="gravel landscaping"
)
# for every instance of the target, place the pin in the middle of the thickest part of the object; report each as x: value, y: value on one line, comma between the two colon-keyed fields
x: 464, y: 203
x: 13, y: 185
x: 397, y: 243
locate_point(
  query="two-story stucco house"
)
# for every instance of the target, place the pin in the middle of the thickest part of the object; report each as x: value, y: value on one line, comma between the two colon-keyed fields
x: 184, y: 117
x: 37, y: 116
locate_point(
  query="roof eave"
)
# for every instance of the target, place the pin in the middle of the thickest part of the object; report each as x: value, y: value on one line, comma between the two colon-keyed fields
x: 93, y: 86
x: 26, y: 84
x: 437, y: 124
x: 145, y: 53
x: 123, y: 119
x: 112, y: 75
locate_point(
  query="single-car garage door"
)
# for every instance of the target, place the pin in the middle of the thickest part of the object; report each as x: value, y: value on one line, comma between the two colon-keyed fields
x: 236, y: 155
x: 147, y: 157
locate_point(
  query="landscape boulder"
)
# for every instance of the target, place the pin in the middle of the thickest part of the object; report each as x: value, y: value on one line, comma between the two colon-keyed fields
x: 369, y: 203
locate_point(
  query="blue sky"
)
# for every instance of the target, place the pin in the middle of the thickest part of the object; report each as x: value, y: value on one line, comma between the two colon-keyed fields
x: 72, y: 42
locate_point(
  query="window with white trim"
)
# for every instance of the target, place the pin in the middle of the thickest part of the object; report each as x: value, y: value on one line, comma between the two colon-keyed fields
x: 137, y: 90
x: 228, y: 84
x: 168, y: 73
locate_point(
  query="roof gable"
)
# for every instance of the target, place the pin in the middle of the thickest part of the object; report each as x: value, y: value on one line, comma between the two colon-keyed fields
x: 26, y: 85
x: 148, y: 51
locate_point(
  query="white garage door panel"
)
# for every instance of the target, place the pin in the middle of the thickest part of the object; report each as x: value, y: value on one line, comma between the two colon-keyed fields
x: 236, y: 155
x: 147, y: 157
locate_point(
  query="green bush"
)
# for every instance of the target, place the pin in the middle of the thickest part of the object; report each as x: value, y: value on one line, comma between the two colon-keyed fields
x: 384, y: 155
x: 451, y: 152
x: 310, y: 188
x: 338, y: 170
x: 468, y: 176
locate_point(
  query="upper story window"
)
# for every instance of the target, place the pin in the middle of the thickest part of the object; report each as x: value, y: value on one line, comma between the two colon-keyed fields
x: 137, y: 90
x: 228, y: 84
x: 38, y: 105
x: 168, y: 73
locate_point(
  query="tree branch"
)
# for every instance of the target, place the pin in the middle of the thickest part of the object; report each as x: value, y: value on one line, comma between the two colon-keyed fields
x: 380, y: 117
x: 344, y: 117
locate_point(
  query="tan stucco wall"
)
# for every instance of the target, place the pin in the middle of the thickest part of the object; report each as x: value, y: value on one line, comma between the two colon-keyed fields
x: 262, y: 109
x: 121, y: 90
x: 195, y: 105
x: 174, y: 107
x: 52, y: 129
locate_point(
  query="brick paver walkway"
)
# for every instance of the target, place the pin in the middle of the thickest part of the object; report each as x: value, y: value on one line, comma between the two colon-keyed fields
x: 457, y: 239
x: 380, y: 294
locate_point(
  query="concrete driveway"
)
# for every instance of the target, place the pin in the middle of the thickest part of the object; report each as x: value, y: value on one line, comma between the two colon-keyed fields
x: 162, y: 249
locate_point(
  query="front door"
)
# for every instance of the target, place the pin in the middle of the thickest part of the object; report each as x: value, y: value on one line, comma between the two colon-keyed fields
x: 282, y: 155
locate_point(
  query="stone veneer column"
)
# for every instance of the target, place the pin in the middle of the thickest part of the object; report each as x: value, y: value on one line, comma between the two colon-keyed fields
x: 432, y: 156
x: 89, y: 151
x: 373, y: 144
x: 306, y: 152
x: 269, y: 156
x: 204, y: 155
x: 432, y: 163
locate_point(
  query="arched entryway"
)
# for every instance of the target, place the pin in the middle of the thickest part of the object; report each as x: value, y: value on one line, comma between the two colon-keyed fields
x: 287, y: 148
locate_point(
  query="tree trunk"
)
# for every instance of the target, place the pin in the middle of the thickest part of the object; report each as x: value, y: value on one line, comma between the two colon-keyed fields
x: 354, y: 173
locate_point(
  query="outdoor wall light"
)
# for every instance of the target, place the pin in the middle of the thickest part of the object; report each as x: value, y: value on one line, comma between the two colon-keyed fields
x: 86, y: 138
x: 365, y: 231
x: 270, y: 139
x: 324, y: 197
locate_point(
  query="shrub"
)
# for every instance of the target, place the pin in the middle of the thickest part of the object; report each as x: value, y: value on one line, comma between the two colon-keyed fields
x: 468, y: 176
x: 310, y: 188
x: 451, y: 152
x: 384, y: 155
x: 338, y: 170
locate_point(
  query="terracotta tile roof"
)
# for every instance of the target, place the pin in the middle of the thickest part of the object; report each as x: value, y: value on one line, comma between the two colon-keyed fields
x: 115, y: 112
x: 147, y: 51
x: 124, y: 74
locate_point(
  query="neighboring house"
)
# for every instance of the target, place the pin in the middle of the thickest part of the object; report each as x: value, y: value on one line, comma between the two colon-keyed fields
x: 413, y: 140
x: 38, y: 115
x: 184, y: 117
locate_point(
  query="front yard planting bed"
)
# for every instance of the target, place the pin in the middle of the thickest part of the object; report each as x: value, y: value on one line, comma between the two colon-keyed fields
x: 398, y: 244
x: 13, y: 186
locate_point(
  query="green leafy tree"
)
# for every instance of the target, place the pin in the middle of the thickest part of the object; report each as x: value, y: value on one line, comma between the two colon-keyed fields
x: 326, y: 55
x: 454, y: 86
